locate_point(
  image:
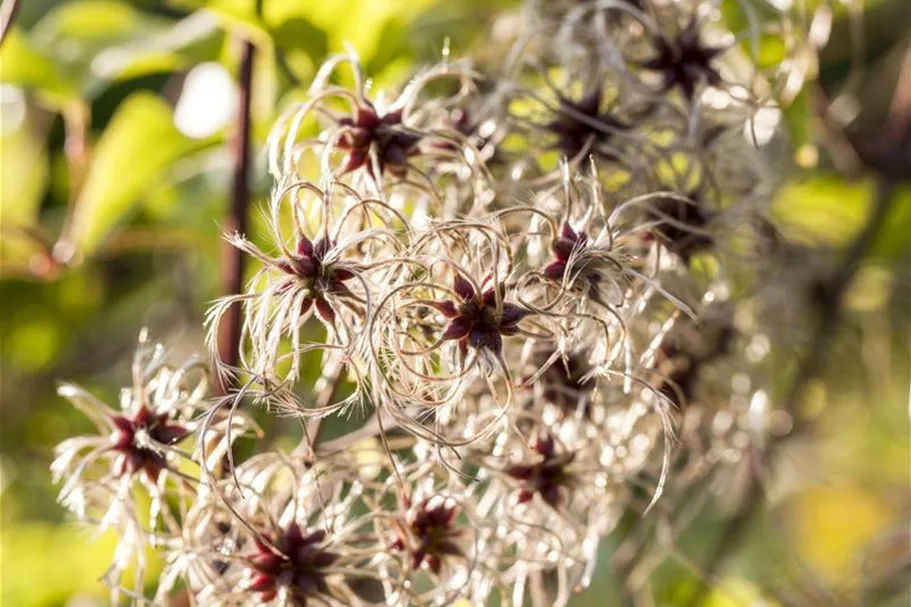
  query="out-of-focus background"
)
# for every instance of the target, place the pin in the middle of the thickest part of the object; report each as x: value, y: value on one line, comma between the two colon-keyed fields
x: 115, y: 174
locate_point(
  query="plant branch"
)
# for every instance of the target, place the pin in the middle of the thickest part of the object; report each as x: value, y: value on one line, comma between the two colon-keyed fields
x: 326, y: 389
x: 232, y: 258
x: 76, y: 117
x: 833, y: 291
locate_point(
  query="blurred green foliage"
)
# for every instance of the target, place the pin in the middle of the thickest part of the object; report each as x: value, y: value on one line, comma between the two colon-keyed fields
x: 110, y: 220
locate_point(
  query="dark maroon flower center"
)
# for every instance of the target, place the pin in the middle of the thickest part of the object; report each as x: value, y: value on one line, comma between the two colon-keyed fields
x: 547, y: 476
x: 581, y: 124
x: 686, y: 351
x: 298, y: 563
x: 563, y: 248
x: 563, y: 384
x: 431, y: 535
x: 462, y: 122
x: 685, y: 62
x: 157, y: 428
x: 680, y: 222
x: 587, y: 274
x: 478, y: 321
x: 385, y: 133
x: 307, y: 266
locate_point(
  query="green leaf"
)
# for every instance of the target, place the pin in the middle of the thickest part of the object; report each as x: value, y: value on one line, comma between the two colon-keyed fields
x: 771, y: 52
x: 828, y: 209
x: 240, y: 14
x: 319, y: 26
x: 391, y: 45
x: 297, y: 33
x: 823, y: 208
x: 26, y: 66
x: 23, y: 181
x: 25, y: 579
x: 798, y: 116
x: 85, y: 26
x: 82, y: 39
x: 366, y: 32
x: 175, y: 47
x: 76, y: 48
x: 894, y: 241
x: 136, y: 148
x: 23, y: 175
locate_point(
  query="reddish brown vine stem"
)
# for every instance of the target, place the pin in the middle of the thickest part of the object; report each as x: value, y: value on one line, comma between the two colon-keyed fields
x: 232, y: 258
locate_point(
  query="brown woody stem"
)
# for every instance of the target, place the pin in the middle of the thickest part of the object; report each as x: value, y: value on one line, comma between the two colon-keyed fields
x: 232, y: 259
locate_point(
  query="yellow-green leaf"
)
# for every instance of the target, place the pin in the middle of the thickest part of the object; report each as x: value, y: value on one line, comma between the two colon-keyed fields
x: 824, y: 208
x: 134, y: 151
x: 23, y: 65
x: 90, y: 20
x: 23, y: 179
x: 23, y: 174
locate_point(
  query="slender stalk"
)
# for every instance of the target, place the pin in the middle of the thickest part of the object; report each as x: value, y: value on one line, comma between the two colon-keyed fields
x: 830, y: 304
x: 834, y: 290
x: 76, y: 118
x: 327, y: 387
x: 232, y: 258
